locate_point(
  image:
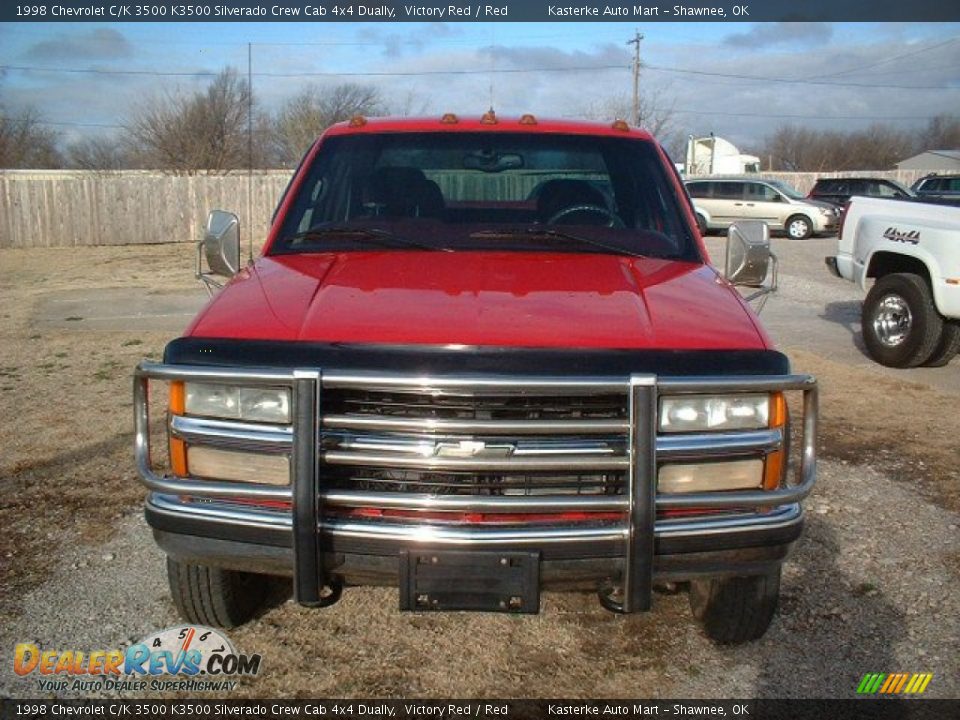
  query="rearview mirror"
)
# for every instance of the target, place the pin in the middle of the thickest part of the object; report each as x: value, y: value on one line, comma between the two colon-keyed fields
x: 748, y: 259
x: 221, y: 248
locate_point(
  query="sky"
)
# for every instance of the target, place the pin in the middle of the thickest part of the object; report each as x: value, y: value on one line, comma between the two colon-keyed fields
x: 738, y: 80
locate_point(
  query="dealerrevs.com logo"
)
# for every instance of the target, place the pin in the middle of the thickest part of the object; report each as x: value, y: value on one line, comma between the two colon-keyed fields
x: 187, y: 658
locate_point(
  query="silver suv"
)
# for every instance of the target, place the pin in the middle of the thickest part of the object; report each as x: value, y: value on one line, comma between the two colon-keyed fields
x: 720, y: 201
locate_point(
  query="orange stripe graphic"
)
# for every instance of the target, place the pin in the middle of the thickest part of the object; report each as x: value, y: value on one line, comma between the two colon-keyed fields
x: 903, y: 681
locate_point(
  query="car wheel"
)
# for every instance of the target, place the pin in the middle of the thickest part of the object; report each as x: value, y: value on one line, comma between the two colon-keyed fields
x: 738, y: 609
x: 799, y: 227
x: 213, y: 596
x: 948, y: 346
x: 702, y: 224
x: 901, y: 327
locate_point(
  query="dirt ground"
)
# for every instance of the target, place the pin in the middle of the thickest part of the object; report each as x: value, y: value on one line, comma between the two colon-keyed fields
x: 873, y: 585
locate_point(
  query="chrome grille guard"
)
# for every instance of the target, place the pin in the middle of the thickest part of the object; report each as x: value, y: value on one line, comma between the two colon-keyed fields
x: 642, y: 448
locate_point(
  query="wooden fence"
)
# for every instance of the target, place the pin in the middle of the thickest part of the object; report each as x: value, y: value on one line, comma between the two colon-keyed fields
x: 77, y: 208
x: 65, y: 208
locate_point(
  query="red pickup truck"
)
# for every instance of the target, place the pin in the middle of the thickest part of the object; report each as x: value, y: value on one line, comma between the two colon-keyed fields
x: 479, y: 357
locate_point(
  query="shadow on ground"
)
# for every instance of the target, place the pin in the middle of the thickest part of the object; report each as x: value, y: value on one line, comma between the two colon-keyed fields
x: 846, y: 313
x: 822, y: 643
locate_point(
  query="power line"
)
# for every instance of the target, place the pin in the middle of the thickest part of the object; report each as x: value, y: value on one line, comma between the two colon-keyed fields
x: 64, y: 123
x: 801, y: 117
x: 411, y: 73
x: 893, y: 118
x: 888, y: 60
x: 382, y: 42
x: 797, y: 81
x: 477, y: 71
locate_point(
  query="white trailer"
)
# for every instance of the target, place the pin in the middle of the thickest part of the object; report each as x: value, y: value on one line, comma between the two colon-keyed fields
x: 713, y: 155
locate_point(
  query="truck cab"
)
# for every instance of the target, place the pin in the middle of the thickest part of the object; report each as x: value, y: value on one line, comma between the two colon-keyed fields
x: 478, y: 358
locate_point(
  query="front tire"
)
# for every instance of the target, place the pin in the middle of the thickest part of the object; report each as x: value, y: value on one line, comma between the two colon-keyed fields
x: 901, y: 326
x: 799, y: 227
x: 213, y: 596
x: 738, y: 609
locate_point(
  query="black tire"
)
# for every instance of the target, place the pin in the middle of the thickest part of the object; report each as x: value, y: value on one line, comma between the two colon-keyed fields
x: 798, y: 227
x: 738, y: 609
x: 214, y: 596
x: 901, y: 326
x: 948, y: 346
x: 702, y: 225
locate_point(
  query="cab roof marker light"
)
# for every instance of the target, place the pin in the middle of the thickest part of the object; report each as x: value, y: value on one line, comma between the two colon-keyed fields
x: 489, y: 118
x: 357, y: 121
x: 449, y: 119
x: 620, y: 125
x: 528, y: 119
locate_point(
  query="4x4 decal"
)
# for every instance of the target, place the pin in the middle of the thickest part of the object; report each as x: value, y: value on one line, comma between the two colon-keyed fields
x: 895, y: 234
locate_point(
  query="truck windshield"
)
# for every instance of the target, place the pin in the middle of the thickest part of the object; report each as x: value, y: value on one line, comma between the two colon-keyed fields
x: 487, y: 191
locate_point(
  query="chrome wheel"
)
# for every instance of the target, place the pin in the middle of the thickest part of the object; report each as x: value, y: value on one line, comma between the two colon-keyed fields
x: 799, y: 228
x: 900, y: 323
x: 892, y: 321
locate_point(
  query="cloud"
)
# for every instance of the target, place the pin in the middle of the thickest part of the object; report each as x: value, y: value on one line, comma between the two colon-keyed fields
x: 782, y: 33
x: 99, y: 44
x: 549, y: 57
x: 413, y: 41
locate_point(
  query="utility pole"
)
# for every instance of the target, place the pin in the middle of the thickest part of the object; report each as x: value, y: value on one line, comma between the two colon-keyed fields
x: 637, y: 37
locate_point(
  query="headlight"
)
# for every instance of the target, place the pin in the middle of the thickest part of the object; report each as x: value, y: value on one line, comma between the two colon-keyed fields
x: 231, y: 465
x: 711, y: 476
x: 268, y: 405
x: 700, y: 413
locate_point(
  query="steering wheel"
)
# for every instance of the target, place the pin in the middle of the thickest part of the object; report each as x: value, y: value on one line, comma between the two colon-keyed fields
x: 613, y: 220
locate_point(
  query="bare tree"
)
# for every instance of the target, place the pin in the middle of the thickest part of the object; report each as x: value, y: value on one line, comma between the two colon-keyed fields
x: 305, y: 116
x: 795, y: 148
x: 203, y: 131
x: 99, y: 153
x: 406, y: 105
x: 25, y: 142
x: 656, y: 114
x: 942, y: 133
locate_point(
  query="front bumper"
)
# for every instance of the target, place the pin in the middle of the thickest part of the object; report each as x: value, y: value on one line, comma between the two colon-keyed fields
x: 362, y: 553
x: 217, y: 523
x: 826, y: 223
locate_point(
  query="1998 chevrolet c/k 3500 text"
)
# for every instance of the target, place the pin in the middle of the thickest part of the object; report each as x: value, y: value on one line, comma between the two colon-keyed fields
x: 477, y: 358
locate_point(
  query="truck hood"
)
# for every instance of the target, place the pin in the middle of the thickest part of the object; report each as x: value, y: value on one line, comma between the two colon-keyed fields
x: 511, y: 299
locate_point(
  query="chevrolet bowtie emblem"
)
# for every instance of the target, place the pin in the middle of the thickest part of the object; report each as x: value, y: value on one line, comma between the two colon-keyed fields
x: 472, y: 448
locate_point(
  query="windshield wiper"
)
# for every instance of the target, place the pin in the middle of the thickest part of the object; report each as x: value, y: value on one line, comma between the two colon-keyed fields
x: 381, y: 237
x: 552, y: 232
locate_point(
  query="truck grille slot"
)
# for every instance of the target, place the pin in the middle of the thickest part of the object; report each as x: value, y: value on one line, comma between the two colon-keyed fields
x: 474, y: 443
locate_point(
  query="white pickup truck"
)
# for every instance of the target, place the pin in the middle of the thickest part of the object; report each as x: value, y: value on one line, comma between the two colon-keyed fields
x: 911, y: 315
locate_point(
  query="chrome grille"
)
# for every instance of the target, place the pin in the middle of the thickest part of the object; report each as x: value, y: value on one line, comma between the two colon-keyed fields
x: 486, y: 440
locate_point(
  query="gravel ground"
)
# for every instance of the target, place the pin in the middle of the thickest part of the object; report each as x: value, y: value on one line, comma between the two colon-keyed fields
x: 872, y: 586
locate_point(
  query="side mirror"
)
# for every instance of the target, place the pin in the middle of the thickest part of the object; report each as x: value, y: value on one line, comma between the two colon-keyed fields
x: 221, y: 248
x: 748, y: 259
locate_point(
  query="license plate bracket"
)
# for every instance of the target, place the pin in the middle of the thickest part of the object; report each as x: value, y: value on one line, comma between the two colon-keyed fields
x: 479, y: 581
